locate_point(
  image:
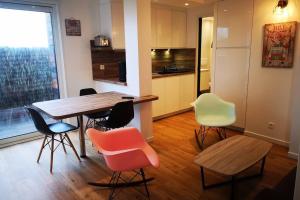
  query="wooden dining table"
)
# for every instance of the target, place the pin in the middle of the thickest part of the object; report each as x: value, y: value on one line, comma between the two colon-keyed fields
x: 59, y: 109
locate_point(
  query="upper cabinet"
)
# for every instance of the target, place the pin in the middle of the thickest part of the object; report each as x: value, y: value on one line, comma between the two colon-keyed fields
x: 118, y: 33
x: 168, y: 27
x: 178, y: 29
x: 112, y: 22
x: 233, y: 32
x: 163, y: 27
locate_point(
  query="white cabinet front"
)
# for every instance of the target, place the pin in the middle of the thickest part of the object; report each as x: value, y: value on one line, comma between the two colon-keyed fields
x: 175, y: 93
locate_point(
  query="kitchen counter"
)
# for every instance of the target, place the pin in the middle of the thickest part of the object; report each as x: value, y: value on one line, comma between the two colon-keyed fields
x: 157, y: 75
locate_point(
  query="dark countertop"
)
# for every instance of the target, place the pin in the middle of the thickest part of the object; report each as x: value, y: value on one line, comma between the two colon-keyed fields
x: 157, y: 75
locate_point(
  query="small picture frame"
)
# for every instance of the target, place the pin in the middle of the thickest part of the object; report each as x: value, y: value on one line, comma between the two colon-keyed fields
x: 73, y: 27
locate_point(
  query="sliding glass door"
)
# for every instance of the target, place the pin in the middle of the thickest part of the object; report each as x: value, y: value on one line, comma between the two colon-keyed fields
x: 28, y: 71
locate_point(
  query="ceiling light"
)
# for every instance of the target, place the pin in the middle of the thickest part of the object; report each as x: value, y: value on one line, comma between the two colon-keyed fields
x: 186, y: 4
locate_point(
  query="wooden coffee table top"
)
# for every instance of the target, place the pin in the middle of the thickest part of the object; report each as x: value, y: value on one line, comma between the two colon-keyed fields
x: 233, y: 155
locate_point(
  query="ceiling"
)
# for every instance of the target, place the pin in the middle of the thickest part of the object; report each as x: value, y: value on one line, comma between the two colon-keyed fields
x: 180, y: 3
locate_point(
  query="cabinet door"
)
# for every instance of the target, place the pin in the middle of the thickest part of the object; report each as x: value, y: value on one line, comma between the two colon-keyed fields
x: 118, y: 32
x: 233, y: 31
x: 164, y: 27
x: 153, y: 26
x: 231, y: 78
x: 172, y: 94
x: 178, y: 29
x: 187, y: 91
x: 158, y: 89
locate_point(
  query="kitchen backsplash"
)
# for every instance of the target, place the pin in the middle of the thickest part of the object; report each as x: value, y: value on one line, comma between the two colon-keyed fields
x: 183, y: 58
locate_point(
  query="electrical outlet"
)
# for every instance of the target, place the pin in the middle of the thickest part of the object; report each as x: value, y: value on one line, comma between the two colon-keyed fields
x: 102, y: 67
x: 271, y: 125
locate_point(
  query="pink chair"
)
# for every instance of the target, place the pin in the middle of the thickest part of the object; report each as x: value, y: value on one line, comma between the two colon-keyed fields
x: 124, y: 150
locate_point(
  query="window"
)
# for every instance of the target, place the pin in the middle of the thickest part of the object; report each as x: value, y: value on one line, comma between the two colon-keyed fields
x: 27, y: 64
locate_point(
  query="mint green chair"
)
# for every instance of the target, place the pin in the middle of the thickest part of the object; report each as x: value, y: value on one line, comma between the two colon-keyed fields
x: 213, y: 112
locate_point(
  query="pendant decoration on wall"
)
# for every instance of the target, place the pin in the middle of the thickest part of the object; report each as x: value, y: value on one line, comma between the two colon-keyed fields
x: 73, y: 27
x: 279, y: 45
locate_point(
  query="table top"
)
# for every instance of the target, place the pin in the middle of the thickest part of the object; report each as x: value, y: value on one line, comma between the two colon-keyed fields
x: 74, y: 106
x: 233, y: 155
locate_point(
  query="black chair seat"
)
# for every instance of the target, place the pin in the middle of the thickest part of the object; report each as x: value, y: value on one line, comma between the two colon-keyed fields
x: 61, y: 127
x: 99, y: 115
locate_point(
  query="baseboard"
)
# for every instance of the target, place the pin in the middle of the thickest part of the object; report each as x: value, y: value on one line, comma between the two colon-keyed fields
x: 172, y: 114
x: 150, y: 139
x: 267, y: 138
x: 20, y: 139
x: 293, y: 155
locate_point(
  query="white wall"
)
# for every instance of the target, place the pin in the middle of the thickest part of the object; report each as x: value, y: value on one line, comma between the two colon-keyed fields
x: 269, y: 91
x: 76, y: 49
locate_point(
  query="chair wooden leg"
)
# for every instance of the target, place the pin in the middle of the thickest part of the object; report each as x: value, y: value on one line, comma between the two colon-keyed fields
x: 62, y: 143
x: 197, y: 133
x: 203, y: 135
x: 52, y: 153
x: 72, y: 146
x: 42, y: 148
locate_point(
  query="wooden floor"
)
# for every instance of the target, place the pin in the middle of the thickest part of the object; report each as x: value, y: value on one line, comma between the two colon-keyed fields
x: 177, y: 178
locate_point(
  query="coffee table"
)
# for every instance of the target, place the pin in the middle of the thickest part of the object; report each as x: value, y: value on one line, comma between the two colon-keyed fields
x: 232, y: 156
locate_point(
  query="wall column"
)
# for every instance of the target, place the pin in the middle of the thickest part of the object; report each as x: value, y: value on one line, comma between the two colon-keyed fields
x: 137, y: 18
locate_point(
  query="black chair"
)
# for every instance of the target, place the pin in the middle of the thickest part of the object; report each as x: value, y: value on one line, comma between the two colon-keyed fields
x: 94, y: 117
x: 121, y: 114
x: 50, y: 131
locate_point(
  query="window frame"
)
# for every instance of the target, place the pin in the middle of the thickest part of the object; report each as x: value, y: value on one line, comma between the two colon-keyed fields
x: 50, y: 6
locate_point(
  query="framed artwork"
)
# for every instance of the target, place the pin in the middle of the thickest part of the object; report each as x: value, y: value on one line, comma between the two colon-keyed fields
x: 73, y: 27
x: 279, y: 44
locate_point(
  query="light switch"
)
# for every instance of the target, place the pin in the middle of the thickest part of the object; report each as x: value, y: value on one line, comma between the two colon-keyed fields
x: 102, y: 67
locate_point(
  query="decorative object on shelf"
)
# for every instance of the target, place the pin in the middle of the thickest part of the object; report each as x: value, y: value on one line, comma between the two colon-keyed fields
x: 279, y: 44
x: 101, y: 41
x: 73, y: 27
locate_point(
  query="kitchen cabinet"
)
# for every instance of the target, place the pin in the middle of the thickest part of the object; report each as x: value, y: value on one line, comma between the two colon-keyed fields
x: 164, y: 27
x: 176, y: 93
x: 229, y: 31
x: 231, y: 79
x: 187, y: 91
x: 172, y: 93
x: 178, y: 29
x: 158, y: 89
x: 117, y: 17
x: 169, y: 27
x: 153, y: 27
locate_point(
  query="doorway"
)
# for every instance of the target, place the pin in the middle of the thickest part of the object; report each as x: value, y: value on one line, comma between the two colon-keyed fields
x: 205, y: 45
x: 27, y: 64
